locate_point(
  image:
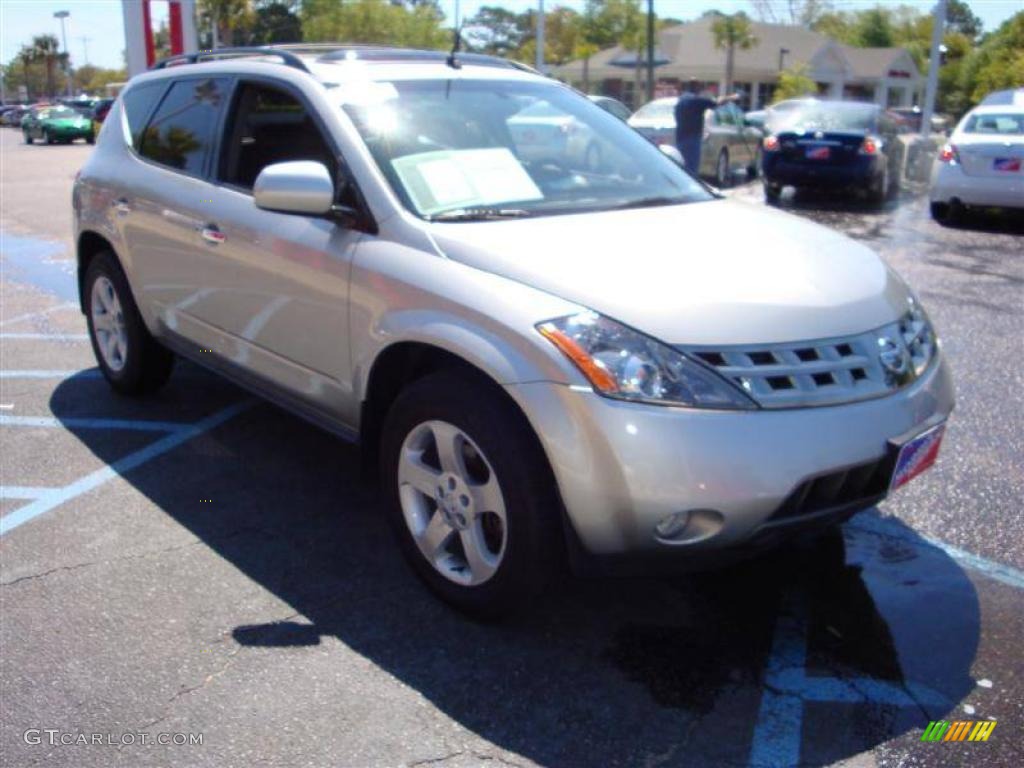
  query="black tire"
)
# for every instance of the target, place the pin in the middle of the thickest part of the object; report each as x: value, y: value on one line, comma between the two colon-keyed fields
x: 753, y: 171
x: 947, y: 214
x: 47, y: 138
x: 880, y: 189
x: 147, y: 364
x: 90, y: 139
x: 533, y: 544
x: 722, y: 179
x: 28, y: 137
x: 772, y: 192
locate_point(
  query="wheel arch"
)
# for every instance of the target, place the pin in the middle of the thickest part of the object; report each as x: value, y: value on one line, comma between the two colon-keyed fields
x: 90, y: 244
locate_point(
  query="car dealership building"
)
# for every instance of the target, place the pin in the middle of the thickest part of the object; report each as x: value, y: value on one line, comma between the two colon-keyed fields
x: 887, y: 76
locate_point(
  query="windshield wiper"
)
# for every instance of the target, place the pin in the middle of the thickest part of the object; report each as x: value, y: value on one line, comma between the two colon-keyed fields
x: 479, y: 214
x: 649, y: 202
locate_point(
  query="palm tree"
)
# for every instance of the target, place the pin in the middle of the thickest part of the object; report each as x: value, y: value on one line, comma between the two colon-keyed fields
x: 732, y: 32
x: 26, y: 57
x: 46, y: 49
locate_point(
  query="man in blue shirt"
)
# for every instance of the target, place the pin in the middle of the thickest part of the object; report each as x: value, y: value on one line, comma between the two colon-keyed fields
x: 689, y: 113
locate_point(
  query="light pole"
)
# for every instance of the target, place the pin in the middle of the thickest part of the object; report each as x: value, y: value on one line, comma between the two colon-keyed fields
x: 540, y: 38
x: 650, y: 50
x: 62, y: 15
x: 85, y: 47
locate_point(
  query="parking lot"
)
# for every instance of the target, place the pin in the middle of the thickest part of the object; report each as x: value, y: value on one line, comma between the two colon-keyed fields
x: 201, y: 564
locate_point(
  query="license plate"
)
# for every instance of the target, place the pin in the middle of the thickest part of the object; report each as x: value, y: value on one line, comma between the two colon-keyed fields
x: 818, y: 153
x: 1006, y: 164
x: 916, y: 456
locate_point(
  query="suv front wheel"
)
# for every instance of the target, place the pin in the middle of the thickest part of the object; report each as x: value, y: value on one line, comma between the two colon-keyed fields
x: 132, y: 361
x: 470, y: 495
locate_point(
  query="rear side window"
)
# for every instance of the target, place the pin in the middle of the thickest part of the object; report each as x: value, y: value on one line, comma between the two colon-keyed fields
x: 138, y: 103
x: 181, y: 133
x: 1005, y: 125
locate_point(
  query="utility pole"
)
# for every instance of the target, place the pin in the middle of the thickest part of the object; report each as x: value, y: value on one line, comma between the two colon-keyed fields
x: 85, y: 47
x: 650, y: 50
x: 934, y: 62
x: 62, y: 15
x: 540, y: 38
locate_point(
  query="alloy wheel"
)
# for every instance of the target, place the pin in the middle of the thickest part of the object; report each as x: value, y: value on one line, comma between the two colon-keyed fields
x: 108, y: 324
x: 452, y: 503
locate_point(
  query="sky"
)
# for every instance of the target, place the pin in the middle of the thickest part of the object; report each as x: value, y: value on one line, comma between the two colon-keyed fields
x: 95, y: 32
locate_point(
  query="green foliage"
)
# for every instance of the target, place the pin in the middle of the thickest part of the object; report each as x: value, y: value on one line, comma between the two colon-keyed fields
x: 374, y: 21
x: 794, y: 83
x: 874, y: 29
x: 997, y: 63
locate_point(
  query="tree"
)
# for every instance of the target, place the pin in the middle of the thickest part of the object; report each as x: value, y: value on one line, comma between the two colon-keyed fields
x: 497, y: 31
x: 730, y: 33
x: 275, y: 22
x: 416, y: 25
x: 997, y: 63
x: 46, y: 49
x: 793, y: 84
x: 803, y: 13
x: 960, y: 18
x: 233, y: 20
x: 874, y: 29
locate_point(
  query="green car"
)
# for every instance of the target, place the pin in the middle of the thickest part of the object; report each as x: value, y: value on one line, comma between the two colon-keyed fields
x: 56, y: 124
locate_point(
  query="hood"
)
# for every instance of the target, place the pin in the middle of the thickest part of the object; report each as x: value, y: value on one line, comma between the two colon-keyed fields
x: 716, y: 273
x: 65, y: 122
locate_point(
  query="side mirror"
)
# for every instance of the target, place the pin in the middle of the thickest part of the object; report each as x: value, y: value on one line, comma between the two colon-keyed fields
x: 302, y: 186
x: 672, y: 154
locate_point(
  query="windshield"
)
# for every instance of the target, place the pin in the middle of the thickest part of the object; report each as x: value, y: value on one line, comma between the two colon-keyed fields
x: 56, y: 113
x: 657, y: 110
x: 827, y: 117
x: 1001, y: 124
x: 508, y: 148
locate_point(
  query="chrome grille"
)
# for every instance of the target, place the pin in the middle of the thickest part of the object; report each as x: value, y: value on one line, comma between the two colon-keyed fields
x: 824, y: 371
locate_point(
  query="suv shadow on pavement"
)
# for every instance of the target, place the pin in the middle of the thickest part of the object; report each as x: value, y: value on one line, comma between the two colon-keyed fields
x: 805, y: 653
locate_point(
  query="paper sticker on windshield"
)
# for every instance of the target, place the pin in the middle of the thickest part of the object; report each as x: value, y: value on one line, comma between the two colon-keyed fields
x: 446, y: 180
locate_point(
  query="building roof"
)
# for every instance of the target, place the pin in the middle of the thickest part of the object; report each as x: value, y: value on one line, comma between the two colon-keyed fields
x: 690, y: 49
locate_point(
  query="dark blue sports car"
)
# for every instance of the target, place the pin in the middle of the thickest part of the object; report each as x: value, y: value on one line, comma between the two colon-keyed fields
x: 833, y: 144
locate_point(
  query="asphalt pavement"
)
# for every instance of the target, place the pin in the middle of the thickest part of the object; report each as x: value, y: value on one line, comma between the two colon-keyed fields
x: 204, y: 570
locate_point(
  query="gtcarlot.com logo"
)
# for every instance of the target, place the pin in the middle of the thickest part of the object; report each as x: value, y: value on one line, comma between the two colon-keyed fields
x: 959, y: 730
x: 57, y: 738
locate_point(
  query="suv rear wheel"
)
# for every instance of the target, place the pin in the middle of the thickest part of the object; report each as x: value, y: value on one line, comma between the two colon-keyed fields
x: 132, y: 361
x: 469, y: 493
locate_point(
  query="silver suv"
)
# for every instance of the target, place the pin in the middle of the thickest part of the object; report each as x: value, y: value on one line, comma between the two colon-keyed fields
x: 549, y: 349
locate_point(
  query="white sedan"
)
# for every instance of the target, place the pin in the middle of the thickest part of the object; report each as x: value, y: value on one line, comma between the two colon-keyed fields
x: 982, y: 164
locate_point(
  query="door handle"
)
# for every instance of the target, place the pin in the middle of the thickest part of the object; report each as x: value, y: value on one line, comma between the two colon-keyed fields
x: 212, y: 235
x: 121, y: 206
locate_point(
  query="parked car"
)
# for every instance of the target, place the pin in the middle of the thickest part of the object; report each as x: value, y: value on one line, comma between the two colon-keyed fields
x: 534, y: 357
x: 910, y: 119
x: 983, y: 163
x: 1009, y: 97
x: 100, y: 110
x: 14, y: 116
x: 729, y: 145
x: 542, y: 132
x: 608, y: 104
x: 56, y: 125
x: 83, y: 106
x: 833, y: 144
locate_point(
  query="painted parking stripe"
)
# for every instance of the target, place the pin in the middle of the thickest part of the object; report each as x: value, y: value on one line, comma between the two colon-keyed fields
x: 23, y: 492
x: 137, y: 425
x: 122, y: 466
x: 44, y: 336
x: 41, y: 313
x: 88, y: 373
x: 881, y: 526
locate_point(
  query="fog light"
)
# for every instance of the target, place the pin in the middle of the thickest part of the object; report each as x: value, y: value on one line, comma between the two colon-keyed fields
x: 672, y: 525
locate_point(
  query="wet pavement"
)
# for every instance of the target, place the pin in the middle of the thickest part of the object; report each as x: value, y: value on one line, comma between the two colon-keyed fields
x: 202, y: 563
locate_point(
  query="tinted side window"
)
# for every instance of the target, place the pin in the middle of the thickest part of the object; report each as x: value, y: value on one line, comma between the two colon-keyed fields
x: 138, y: 103
x: 269, y: 126
x: 181, y: 132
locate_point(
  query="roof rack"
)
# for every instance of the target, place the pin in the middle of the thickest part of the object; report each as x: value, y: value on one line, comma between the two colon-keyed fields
x: 384, y: 53
x: 287, y: 57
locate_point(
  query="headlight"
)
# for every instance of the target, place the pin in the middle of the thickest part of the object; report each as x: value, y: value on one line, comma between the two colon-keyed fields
x: 624, y: 364
x: 918, y: 335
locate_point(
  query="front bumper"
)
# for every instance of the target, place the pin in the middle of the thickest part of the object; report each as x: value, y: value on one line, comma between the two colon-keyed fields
x: 623, y: 467
x: 65, y: 134
x: 949, y: 181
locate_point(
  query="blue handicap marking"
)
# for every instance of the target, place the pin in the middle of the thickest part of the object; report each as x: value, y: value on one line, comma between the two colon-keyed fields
x: 786, y: 687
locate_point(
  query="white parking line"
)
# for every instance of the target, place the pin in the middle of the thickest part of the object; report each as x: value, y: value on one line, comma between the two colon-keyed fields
x: 44, y: 336
x: 58, y: 496
x: 23, y: 492
x: 40, y: 313
x: 74, y: 422
x: 88, y: 373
